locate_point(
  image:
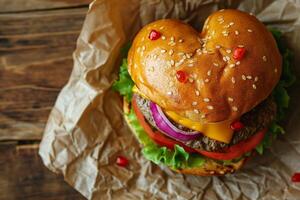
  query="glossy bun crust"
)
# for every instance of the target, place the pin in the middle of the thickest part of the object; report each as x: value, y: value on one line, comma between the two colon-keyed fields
x: 218, y: 87
x: 209, y: 168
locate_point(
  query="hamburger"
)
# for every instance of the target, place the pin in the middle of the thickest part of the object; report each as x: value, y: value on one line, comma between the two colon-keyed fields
x: 203, y: 102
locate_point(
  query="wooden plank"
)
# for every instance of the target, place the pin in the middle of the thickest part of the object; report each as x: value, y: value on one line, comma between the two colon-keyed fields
x: 35, y: 62
x: 23, y: 176
x: 7, y: 6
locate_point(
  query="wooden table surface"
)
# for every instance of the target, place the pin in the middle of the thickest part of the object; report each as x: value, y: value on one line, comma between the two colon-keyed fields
x: 37, y: 38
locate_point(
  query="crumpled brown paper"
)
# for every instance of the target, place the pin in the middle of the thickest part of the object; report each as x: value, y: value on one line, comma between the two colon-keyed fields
x: 86, y: 131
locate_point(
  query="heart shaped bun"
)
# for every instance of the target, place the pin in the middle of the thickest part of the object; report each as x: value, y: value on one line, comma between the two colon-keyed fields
x: 216, y: 75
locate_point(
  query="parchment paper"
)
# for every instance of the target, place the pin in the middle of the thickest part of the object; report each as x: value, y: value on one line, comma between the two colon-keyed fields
x: 86, y: 131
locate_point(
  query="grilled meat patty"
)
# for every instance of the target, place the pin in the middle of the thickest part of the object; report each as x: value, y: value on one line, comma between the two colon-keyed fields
x: 257, y: 119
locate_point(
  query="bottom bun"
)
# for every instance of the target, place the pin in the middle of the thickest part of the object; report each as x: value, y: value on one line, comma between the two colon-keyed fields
x: 209, y: 168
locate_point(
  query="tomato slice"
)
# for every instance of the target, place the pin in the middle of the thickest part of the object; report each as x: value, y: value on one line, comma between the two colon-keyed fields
x: 158, y: 137
x: 232, y: 152
x: 237, y: 150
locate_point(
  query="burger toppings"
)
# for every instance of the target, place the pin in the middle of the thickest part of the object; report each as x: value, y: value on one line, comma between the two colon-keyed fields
x: 236, y: 126
x: 181, y: 76
x: 122, y: 161
x: 166, y: 127
x: 239, y: 53
x: 154, y: 35
x: 211, y: 139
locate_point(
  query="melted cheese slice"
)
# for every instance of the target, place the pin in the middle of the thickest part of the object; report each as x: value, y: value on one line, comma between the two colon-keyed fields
x: 220, y: 131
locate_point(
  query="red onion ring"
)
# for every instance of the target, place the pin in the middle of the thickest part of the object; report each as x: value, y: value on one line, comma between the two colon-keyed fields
x: 165, y: 126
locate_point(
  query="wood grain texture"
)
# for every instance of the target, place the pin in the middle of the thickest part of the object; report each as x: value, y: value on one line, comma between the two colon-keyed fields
x: 30, y: 5
x: 23, y: 176
x: 35, y: 62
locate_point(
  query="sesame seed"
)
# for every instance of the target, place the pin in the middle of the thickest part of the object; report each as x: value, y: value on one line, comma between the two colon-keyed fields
x: 238, y: 63
x: 254, y: 86
x: 197, y: 92
x: 224, y: 58
x: 218, y: 46
x: 234, y: 108
x: 169, y: 93
x: 163, y: 37
x: 171, y: 52
x: 216, y: 64
x: 210, y: 107
x: 212, y: 172
x: 204, y: 51
x: 241, y: 46
x: 228, y: 51
x: 194, y: 103
x: 161, y: 28
x: 227, y: 58
x: 226, y: 69
x: 177, y: 64
x: 255, y: 79
x: 222, y: 172
x: 151, y: 69
x: 155, y: 56
x: 196, y: 111
x: 190, y: 61
x: 191, y: 65
x: 163, y: 51
x: 172, y: 44
x: 220, y: 18
x: 232, y: 65
x: 208, y: 72
x: 231, y: 23
x: 203, y: 116
x: 206, y: 100
x: 249, y: 77
x: 206, y: 80
x: 232, y: 79
x: 180, y: 53
x: 236, y: 32
x: 191, y: 80
x: 230, y: 99
x: 180, y: 40
x: 172, y: 38
x: 275, y: 70
x: 189, y: 55
x: 249, y: 30
x: 243, y: 77
x: 172, y: 62
x: 210, y: 52
x: 143, y: 48
x: 264, y: 58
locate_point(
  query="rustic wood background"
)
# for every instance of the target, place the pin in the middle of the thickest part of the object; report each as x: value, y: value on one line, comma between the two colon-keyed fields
x: 37, y: 38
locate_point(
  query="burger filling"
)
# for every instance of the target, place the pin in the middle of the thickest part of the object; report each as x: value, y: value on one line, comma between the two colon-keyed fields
x: 255, y: 120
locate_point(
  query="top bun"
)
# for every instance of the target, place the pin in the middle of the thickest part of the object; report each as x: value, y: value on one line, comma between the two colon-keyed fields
x: 219, y: 86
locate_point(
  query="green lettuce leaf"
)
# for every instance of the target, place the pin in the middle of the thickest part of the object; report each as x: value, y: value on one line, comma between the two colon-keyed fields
x: 176, y: 159
x: 124, y: 84
x: 280, y: 92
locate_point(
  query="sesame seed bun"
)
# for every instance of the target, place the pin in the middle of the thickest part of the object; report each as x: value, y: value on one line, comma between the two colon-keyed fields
x: 218, y: 87
x: 209, y: 168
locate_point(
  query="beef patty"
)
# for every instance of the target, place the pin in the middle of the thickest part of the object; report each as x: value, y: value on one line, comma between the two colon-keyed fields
x: 257, y: 119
